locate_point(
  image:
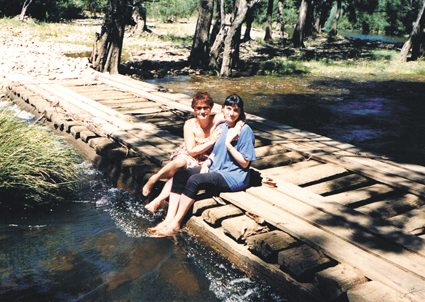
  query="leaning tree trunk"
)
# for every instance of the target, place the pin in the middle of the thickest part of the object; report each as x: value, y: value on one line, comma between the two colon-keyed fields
x: 139, y: 17
x: 248, y: 24
x: 280, y: 24
x: 268, y: 35
x: 24, y: 9
x: 334, y: 28
x: 320, y: 16
x: 232, y: 40
x: 298, y: 36
x: 218, y: 20
x: 414, y: 40
x: 106, y: 55
x: 249, y: 19
x: 200, y: 48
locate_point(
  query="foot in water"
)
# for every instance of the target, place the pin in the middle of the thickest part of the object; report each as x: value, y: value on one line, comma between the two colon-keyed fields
x: 147, y: 188
x: 153, y: 205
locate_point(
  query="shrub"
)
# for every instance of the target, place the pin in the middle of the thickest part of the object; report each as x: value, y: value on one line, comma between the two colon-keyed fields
x: 35, y: 168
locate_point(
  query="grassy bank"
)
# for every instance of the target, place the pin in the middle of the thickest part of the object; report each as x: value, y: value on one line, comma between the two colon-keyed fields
x: 171, y: 42
x: 36, y: 169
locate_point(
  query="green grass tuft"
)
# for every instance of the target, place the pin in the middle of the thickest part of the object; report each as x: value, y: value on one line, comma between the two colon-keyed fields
x: 35, y: 168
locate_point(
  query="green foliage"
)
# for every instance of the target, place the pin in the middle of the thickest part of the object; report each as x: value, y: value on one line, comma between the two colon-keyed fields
x: 171, y: 10
x: 394, y: 17
x: 176, y: 39
x: 35, y: 169
x: 43, y: 10
x: 280, y: 67
x: 93, y: 6
x: 290, y: 13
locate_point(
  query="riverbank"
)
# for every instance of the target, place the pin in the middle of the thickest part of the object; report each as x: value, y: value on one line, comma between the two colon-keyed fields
x: 55, y: 51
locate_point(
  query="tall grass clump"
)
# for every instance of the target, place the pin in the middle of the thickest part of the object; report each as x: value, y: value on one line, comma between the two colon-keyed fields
x: 35, y: 168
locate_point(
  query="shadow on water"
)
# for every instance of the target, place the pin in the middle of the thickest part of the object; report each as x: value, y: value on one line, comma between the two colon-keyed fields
x: 377, y: 115
x: 96, y: 249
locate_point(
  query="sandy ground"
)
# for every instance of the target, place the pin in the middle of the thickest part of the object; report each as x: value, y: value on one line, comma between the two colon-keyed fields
x: 21, y: 55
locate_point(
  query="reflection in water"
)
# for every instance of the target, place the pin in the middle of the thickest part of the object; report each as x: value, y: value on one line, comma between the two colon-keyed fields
x: 373, y: 113
x: 96, y: 249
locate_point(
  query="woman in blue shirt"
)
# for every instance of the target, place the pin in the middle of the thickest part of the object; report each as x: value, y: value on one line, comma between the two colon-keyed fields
x: 226, y: 169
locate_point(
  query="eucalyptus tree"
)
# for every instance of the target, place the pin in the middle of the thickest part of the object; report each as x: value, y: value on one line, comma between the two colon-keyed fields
x: 107, y: 48
x: 268, y: 29
x: 299, y: 31
x: 416, y: 37
x: 200, y: 47
x: 24, y: 9
x: 334, y: 28
x: 280, y: 26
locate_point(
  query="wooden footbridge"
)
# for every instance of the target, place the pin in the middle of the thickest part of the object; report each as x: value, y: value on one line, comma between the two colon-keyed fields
x: 328, y: 221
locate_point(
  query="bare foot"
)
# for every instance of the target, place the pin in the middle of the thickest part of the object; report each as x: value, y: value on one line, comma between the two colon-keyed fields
x: 147, y: 188
x: 166, y: 231
x: 158, y: 227
x: 153, y: 205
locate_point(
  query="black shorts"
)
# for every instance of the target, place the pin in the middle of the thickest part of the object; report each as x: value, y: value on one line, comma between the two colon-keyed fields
x: 190, y: 181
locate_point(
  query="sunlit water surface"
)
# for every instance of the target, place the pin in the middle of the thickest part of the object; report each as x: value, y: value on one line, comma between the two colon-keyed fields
x: 96, y: 248
x: 372, y: 112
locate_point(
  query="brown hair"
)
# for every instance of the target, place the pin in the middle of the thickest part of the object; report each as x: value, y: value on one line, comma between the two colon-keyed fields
x: 203, y: 97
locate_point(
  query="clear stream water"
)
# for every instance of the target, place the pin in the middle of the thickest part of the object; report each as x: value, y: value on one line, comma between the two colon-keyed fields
x: 96, y: 249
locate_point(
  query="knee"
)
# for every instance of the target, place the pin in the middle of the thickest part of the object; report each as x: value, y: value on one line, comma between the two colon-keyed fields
x: 179, y: 162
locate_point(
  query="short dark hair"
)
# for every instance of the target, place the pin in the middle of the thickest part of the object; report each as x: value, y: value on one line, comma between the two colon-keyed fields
x: 202, y: 97
x: 233, y: 100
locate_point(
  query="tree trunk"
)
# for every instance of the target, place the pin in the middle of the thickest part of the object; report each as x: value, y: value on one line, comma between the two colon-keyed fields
x: 268, y: 35
x: 249, y: 19
x: 320, y: 16
x: 216, y: 47
x: 219, y: 17
x: 232, y: 40
x: 298, y: 37
x: 106, y: 55
x: 200, y: 48
x: 139, y: 16
x: 334, y: 28
x: 24, y: 9
x: 280, y: 24
x: 248, y: 23
x: 414, y: 40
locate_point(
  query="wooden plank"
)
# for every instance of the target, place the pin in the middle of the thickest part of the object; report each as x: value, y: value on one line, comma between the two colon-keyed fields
x: 384, y: 167
x: 361, y: 196
x: 104, y: 117
x: 278, y: 172
x: 132, y: 106
x: 267, y: 245
x: 313, y: 174
x: 338, y: 184
x: 253, y: 265
x: 375, y: 266
x: 392, y: 206
x: 412, y: 222
x: 374, y: 292
x: 352, y: 216
x: 350, y: 232
x: 138, y: 91
x: 277, y: 160
x: 268, y: 150
x: 337, y: 280
x: 108, y: 102
x: 302, y: 260
x: 370, y: 171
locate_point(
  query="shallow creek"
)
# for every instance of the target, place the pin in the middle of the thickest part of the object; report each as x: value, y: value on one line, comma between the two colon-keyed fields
x: 96, y: 248
x: 372, y: 112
